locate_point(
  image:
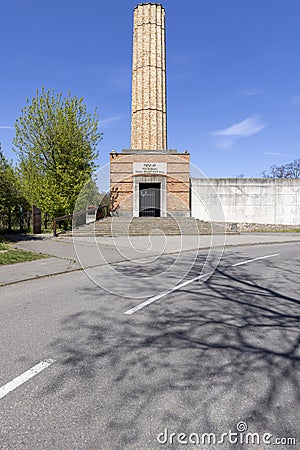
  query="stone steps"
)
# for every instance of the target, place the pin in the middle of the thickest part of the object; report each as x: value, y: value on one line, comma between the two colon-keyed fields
x: 139, y: 226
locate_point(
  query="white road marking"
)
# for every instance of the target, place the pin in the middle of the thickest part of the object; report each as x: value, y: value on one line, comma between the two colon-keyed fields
x: 18, y: 381
x: 163, y: 294
x: 254, y: 259
x: 176, y: 288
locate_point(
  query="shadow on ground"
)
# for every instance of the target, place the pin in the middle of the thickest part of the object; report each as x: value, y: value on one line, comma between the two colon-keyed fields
x: 19, y: 237
x: 208, y: 357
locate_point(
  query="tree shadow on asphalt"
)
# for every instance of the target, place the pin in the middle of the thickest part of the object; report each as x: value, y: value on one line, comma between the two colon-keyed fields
x: 19, y: 237
x: 209, y: 355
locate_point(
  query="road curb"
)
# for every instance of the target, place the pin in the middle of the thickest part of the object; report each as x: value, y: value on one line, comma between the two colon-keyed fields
x: 79, y: 269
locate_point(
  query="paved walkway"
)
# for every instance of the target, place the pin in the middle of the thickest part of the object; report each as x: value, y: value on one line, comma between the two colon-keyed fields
x: 69, y: 254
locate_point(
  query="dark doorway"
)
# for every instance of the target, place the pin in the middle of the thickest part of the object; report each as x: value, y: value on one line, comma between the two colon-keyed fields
x: 149, y: 199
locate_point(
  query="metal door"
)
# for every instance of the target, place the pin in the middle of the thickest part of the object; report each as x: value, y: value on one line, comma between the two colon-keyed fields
x: 150, y: 199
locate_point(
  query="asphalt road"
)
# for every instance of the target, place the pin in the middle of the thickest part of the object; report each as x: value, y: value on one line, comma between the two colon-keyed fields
x: 198, y: 359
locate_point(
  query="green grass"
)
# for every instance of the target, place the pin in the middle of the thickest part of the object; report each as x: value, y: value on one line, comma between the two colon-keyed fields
x: 3, y: 246
x: 10, y: 255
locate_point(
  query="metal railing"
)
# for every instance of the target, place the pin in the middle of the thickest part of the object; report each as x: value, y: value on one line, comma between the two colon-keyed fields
x: 101, y: 211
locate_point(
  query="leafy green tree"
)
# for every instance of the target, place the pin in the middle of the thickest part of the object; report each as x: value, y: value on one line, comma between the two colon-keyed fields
x: 290, y: 170
x: 56, y: 142
x: 12, y: 200
x: 88, y: 196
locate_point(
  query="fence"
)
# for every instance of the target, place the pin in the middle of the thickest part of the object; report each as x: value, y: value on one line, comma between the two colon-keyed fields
x: 82, y: 217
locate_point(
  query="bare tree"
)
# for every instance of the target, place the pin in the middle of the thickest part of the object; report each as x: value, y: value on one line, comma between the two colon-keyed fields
x: 290, y: 170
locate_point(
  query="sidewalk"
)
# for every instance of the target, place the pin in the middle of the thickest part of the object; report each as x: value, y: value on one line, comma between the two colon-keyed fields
x: 69, y: 254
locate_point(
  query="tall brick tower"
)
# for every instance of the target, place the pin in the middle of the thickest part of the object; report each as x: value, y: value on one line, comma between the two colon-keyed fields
x: 149, y: 114
x: 149, y: 179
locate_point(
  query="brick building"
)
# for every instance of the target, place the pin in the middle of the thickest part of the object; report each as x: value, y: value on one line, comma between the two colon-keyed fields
x: 148, y: 179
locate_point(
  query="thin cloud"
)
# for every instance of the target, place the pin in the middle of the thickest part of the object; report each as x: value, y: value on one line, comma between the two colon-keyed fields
x: 226, y: 137
x: 225, y: 143
x: 276, y: 154
x: 6, y: 127
x: 106, y: 122
x: 244, y: 93
x: 248, y: 127
x: 251, y: 92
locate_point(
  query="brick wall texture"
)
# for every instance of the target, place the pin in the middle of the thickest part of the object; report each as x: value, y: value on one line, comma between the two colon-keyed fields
x: 149, y: 115
x: 178, y: 178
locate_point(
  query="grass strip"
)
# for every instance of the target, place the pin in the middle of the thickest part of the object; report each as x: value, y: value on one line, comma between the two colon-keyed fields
x: 10, y: 255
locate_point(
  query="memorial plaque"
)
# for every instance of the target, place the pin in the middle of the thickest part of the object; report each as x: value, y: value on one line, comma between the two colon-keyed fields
x: 151, y: 168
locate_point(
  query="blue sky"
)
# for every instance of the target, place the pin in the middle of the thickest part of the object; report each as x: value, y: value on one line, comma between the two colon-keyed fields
x: 233, y: 74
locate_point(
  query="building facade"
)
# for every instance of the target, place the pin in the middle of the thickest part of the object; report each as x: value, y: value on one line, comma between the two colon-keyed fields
x: 148, y: 179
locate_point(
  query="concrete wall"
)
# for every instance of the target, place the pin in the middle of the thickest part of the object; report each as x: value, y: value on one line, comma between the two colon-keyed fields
x: 247, y: 200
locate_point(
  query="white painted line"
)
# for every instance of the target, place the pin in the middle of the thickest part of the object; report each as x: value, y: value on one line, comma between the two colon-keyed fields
x: 163, y: 294
x: 30, y: 373
x: 176, y: 288
x: 254, y: 259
